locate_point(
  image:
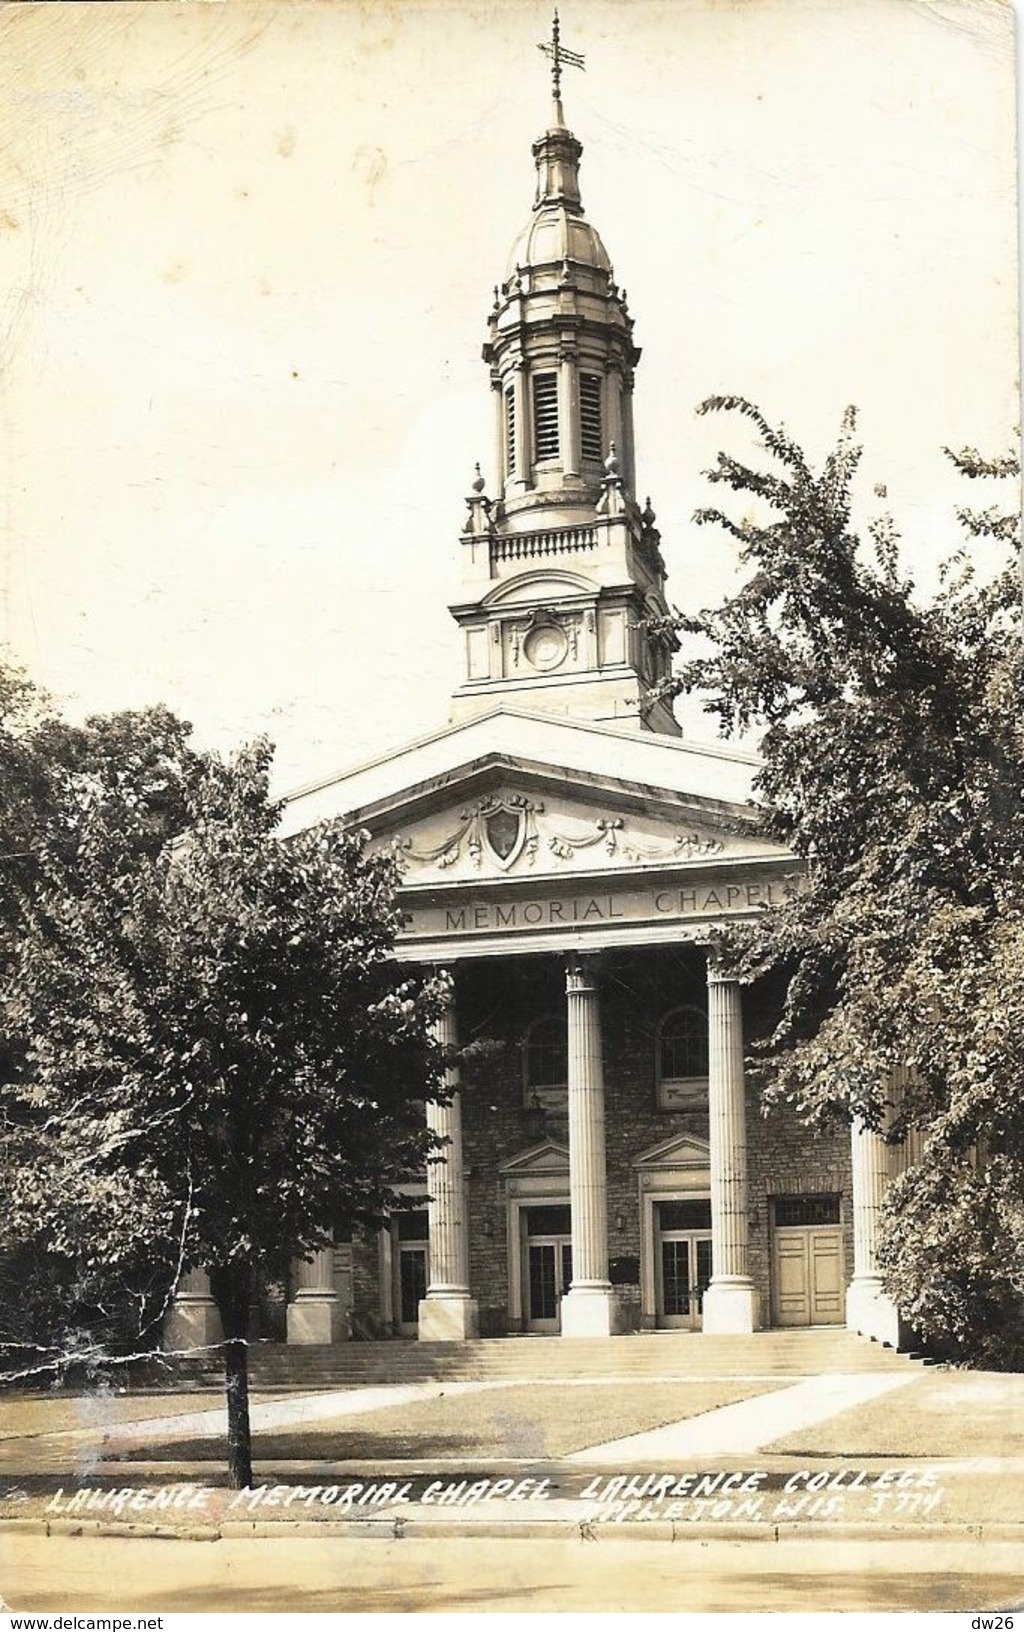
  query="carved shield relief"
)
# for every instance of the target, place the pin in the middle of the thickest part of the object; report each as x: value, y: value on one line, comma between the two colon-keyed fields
x: 504, y: 830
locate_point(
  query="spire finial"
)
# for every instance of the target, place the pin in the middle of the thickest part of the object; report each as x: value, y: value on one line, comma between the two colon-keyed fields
x: 559, y: 53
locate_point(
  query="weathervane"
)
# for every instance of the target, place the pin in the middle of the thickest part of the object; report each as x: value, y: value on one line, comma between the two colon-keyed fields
x: 558, y: 53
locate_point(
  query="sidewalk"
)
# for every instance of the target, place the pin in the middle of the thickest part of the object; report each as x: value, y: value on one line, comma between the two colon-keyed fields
x: 772, y: 1460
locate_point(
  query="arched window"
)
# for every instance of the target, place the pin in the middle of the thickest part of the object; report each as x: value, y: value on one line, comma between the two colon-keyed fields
x: 546, y: 1063
x: 682, y: 1060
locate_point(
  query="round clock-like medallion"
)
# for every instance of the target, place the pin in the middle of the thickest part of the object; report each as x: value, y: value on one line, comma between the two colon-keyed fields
x: 546, y: 646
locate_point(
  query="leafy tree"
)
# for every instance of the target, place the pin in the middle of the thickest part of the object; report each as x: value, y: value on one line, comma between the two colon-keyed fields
x: 893, y: 766
x: 29, y: 778
x: 224, y: 1060
x: 137, y: 765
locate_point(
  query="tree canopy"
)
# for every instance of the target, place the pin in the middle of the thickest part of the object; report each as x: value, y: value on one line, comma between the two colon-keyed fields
x: 223, y: 1063
x: 135, y: 767
x: 892, y: 739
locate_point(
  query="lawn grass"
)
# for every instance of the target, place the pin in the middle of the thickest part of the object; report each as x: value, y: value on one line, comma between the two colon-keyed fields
x: 943, y: 1413
x: 58, y: 1413
x: 535, y: 1420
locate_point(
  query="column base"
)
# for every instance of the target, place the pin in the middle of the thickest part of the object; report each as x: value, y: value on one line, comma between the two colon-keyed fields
x: 590, y: 1312
x: 315, y: 1319
x: 448, y: 1319
x: 192, y: 1323
x: 731, y: 1308
x: 872, y: 1313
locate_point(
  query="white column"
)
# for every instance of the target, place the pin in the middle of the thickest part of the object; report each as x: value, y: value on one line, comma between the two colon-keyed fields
x: 731, y: 1301
x: 869, y: 1310
x: 521, y: 471
x: 612, y: 429
x: 569, y: 440
x: 314, y: 1315
x: 589, y: 1308
x: 500, y: 459
x: 448, y: 1314
x: 628, y: 454
x: 192, y: 1321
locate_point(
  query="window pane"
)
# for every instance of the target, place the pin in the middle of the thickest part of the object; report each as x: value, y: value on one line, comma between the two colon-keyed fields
x: 806, y: 1210
x: 548, y: 1221
x: 684, y: 1045
x: 675, y: 1276
x: 704, y: 1266
x: 547, y: 1054
x: 542, y: 1283
x: 413, y: 1284
x: 545, y: 416
x: 412, y: 1226
x: 684, y: 1215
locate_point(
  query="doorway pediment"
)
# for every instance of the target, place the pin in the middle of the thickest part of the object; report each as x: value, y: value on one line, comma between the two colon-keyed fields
x: 683, y: 1152
x: 538, y: 1160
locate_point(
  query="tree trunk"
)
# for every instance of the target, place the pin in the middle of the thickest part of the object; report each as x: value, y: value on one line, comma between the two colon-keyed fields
x: 232, y: 1288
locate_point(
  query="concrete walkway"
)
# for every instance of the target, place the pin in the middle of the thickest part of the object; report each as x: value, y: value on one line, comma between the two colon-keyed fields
x: 318, y: 1407
x: 348, y: 1402
x: 747, y: 1426
x: 730, y: 1430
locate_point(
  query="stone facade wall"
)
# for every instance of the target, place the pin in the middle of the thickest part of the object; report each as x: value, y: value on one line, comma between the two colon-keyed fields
x: 497, y: 1002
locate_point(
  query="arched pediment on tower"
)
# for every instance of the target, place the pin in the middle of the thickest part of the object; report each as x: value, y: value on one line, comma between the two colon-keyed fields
x: 541, y: 585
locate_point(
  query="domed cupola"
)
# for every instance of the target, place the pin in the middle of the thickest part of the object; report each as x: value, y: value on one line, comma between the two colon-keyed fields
x: 559, y: 342
x: 562, y: 574
x: 558, y: 230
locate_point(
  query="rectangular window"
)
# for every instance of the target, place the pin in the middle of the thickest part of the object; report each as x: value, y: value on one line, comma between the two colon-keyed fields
x: 591, y: 442
x: 545, y: 416
x: 553, y: 1220
x: 412, y: 1226
x: 791, y: 1210
x: 684, y: 1215
x: 510, y: 428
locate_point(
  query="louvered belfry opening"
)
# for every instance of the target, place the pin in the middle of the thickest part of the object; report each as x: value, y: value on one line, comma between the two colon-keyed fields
x: 591, y: 443
x: 545, y: 416
x: 510, y: 428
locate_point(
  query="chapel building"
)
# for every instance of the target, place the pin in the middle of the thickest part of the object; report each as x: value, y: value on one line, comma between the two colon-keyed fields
x: 568, y: 856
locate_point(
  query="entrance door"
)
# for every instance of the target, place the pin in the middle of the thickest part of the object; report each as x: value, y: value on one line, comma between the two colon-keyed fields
x: 807, y: 1261
x: 547, y: 1265
x: 411, y: 1269
x: 683, y: 1267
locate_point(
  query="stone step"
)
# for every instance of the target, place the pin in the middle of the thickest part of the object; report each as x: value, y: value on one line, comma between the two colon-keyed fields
x: 682, y: 1355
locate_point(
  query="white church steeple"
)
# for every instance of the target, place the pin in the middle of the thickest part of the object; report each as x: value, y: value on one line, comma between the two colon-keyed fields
x: 561, y: 571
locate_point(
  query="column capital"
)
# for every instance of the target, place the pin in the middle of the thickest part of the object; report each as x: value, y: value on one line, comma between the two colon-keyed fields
x: 442, y: 971
x: 717, y: 976
x: 580, y: 973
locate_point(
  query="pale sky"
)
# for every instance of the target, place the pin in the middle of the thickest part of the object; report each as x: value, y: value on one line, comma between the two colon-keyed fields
x: 246, y: 259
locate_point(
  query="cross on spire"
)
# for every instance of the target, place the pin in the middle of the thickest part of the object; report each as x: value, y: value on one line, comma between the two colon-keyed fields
x: 559, y: 53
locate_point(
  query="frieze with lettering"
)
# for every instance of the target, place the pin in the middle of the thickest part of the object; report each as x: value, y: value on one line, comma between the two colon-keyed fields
x: 606, y: 907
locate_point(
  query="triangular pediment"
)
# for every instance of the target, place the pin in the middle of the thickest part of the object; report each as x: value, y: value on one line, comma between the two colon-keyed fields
x: 547, y: 1157
x: 519, y: 823
x: 628, y: 766
x: 683, y: 1150
x: 514, y: 826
